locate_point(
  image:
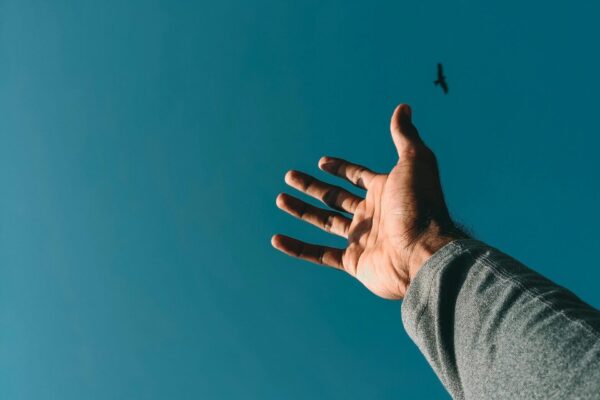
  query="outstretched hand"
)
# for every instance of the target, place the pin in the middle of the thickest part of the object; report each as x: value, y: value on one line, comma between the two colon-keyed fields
x: 394, y: 229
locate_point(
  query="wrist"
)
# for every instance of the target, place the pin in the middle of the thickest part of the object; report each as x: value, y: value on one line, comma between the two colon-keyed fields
x: 427, y: 245
x: 423, y: 250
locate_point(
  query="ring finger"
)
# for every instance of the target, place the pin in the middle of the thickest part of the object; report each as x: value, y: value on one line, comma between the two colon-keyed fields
x: 329, y: 221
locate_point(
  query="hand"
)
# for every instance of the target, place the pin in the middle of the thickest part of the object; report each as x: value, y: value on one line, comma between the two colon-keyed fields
x: 400, y: 223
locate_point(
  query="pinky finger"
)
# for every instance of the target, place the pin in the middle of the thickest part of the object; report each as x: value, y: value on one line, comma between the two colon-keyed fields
x: 317, y: 254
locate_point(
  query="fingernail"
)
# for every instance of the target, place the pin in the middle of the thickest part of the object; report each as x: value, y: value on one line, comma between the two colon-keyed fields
x: 408, y: 111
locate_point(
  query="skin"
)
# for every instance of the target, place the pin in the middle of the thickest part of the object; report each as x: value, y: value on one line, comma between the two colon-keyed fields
x: 392, y: 231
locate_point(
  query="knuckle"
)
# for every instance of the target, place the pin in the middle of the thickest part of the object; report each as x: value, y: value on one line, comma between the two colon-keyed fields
x: 356, y: 175
x: 307, y: 182
x: 328, y: 224
x: 410, y: 151
x: 321, y: 255
x: 331, y: 197
x: 428, y: 155
x: 338, y: 165
x: 354, y: 202
x: 301, y: 250
x: 419, y: 151
x: 302, y: 210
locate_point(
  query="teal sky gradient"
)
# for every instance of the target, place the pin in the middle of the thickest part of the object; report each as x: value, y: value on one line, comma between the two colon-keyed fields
x: 142, y: 145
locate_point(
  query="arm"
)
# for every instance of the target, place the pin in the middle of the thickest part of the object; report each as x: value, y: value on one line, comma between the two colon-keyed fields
x: 492, y: 328
x: 489, y: 326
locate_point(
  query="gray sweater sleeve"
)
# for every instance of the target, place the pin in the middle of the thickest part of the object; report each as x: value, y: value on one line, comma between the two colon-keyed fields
x: 491, y: 328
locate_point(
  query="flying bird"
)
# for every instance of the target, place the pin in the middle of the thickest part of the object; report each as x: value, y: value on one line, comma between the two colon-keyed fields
x: 441, y: 79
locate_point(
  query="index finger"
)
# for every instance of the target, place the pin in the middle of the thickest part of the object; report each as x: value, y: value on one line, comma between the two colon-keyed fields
x: 356, y: 174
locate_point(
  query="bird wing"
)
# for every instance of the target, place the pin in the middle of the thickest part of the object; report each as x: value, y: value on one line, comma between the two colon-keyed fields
x: 440, y: 70
x: 444, y: 86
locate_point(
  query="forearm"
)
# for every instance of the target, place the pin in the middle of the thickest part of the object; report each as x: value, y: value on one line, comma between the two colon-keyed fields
x: 492, y: 328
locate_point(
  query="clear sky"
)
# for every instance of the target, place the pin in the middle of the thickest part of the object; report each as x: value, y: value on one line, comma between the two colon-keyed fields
x: 142, y: 145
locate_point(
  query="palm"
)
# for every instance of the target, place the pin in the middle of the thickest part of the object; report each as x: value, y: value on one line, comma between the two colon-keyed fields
x: 367, y: 255
x: 383, y: 224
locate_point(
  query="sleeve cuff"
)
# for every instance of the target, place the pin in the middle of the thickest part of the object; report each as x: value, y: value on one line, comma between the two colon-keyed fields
x: 419, y: 291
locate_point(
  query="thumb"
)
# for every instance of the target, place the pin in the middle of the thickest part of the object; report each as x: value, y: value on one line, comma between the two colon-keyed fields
x: 403, y: 131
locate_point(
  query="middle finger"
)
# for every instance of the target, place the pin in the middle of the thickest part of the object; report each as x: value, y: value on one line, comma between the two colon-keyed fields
x: 334, y: 196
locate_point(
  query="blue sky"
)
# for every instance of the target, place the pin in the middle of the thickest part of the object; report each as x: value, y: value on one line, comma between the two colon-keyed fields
x: 142, y: 145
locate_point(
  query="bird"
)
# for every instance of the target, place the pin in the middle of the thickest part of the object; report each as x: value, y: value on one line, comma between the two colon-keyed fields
x: 441, y: 79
